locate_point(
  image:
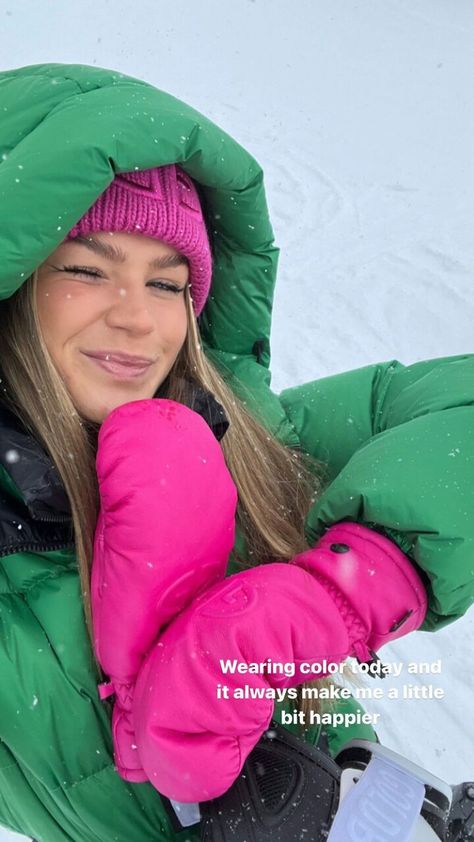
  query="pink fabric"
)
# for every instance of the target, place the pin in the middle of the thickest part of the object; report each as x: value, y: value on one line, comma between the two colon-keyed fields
x: 322, y: 605
x: 162, y: 203
x: 165, y: 530
x: 163, y: 617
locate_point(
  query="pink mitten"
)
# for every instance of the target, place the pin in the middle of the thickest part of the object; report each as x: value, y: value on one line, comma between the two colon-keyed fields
x: 165, y: 530
x: 347, y: 596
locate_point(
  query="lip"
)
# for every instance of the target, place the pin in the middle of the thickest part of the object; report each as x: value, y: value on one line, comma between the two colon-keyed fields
x: 122, y: 366
x: 119, y: 357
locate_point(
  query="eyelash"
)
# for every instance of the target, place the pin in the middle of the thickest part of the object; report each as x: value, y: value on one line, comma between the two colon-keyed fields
x: 78, y: 270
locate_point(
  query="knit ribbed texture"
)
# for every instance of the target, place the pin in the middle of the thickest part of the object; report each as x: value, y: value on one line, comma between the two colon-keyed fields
x: 162, y: 203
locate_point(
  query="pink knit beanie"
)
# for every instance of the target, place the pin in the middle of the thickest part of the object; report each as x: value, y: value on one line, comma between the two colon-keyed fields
x: 162, y: 203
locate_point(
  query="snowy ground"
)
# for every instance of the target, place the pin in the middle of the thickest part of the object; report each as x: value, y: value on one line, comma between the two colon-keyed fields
x: 362, y: 116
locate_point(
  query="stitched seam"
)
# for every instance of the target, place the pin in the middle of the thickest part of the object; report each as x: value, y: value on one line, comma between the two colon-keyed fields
x: 355, y: 627
x: 88, y: 777
x: 38, y: 582
x: 378, y: 403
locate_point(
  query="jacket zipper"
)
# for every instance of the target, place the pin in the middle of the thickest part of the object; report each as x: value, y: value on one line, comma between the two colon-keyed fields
x: 36, y: 548
x: 49, y: 518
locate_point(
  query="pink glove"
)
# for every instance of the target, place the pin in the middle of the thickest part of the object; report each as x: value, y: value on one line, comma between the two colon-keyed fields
x: 349, y: 595
x: 164, y: 534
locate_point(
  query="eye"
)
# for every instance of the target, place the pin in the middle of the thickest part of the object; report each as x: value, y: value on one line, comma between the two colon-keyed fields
x: 80, y: 270
x: 161, y: 285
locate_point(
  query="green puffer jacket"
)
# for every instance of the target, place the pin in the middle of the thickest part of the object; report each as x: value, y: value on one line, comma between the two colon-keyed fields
x: 398, y: 441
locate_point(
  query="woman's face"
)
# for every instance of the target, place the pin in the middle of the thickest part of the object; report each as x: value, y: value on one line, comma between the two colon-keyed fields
x: 132, y: 304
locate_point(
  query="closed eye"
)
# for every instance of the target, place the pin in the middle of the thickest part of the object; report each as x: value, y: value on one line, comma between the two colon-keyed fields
x: 163, y: 285
x: 80, y: 270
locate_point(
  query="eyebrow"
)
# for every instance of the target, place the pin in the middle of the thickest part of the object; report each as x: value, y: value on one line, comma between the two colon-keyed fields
x: 116, y: 255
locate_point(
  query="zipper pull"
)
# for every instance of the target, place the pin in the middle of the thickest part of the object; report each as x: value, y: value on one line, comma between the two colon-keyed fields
x: 361, y: 650
x: 105, y: 690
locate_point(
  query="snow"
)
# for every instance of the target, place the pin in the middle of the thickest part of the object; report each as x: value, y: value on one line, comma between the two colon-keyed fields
x: 361, y: 115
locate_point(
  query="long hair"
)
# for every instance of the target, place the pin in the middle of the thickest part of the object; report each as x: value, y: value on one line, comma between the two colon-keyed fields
x: 276, y: 485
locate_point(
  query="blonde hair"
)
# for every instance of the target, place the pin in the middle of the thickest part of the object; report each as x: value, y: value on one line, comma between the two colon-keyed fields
x: 276, y: 484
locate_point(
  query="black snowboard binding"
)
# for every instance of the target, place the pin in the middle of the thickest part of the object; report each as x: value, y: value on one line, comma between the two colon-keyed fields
x: 289, y: 790
x: 461, y: 816
x: 286, y: 786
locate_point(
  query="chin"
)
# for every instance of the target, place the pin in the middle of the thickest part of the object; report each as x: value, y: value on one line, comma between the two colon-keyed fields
x: 97, y: 410
x: 100, y: 411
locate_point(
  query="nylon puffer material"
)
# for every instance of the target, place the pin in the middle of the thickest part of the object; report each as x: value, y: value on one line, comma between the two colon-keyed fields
x: 397, y: 440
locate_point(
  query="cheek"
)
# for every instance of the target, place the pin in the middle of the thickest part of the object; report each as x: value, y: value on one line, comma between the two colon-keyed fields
x: 183, y: 327
x: 49, y: 315
x: 172, y: 328
x: 62, y: 313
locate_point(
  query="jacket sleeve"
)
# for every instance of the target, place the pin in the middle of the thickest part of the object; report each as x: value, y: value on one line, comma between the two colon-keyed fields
x: 398, y: 442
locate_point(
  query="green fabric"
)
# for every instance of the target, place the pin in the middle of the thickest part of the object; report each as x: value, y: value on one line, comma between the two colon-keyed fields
x: 57, y: 775
x: 399, y: 445
x: 398, y: 441
x: 77, y: 127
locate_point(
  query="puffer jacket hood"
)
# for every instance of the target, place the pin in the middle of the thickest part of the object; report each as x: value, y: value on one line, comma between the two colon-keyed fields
x: 66, y: 130
x: 72, y: 128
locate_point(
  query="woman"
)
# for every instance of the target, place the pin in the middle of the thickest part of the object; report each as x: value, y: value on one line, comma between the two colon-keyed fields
x: 81, y: 127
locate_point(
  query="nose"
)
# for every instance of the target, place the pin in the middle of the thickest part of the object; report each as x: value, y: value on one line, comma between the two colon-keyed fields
x: 130, y: 311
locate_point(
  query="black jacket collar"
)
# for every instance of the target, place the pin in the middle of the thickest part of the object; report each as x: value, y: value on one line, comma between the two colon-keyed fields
x: 37, y: 479
x: 31, y: 470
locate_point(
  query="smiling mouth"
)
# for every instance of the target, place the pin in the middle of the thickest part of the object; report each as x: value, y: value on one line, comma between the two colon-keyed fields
x: 121, y: 371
